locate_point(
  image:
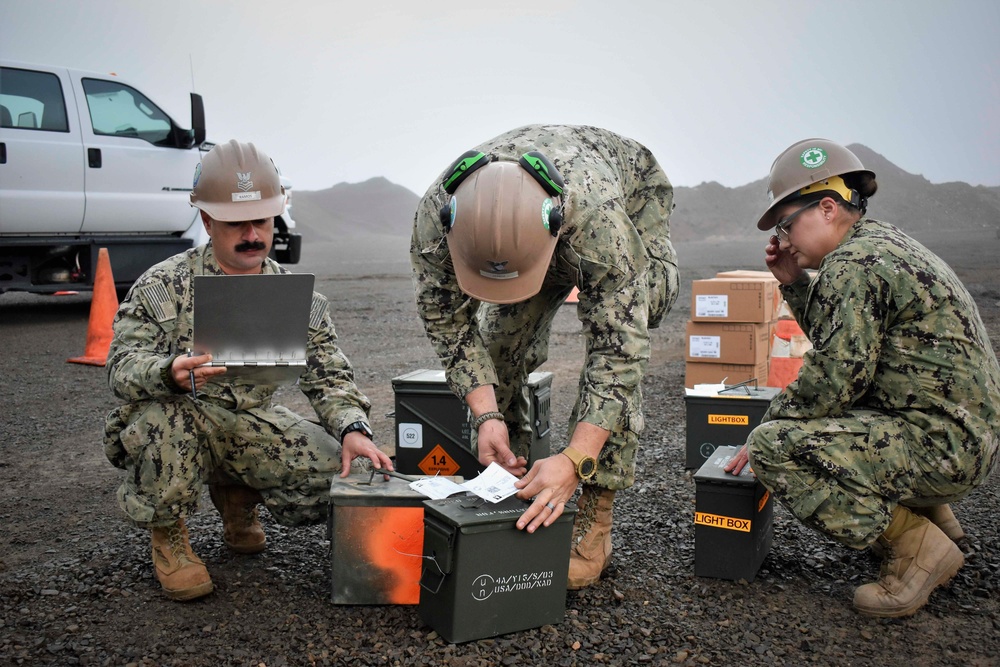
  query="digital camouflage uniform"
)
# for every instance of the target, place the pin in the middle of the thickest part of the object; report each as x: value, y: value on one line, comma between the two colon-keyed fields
x: 897, y: 400
x: 614, y: 246
x: 170, y: 444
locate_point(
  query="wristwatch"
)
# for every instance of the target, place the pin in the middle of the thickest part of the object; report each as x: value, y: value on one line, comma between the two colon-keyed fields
x: 357, y: 426
x: 586, y: 466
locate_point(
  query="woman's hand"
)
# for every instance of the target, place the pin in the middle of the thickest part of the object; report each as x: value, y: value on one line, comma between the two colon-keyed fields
x: 781, y: 262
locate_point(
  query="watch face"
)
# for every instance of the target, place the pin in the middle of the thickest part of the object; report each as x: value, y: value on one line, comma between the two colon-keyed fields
x: 588, y: 467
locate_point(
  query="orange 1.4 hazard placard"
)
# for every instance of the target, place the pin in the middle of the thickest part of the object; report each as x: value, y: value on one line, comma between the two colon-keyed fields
x: 438, y: 462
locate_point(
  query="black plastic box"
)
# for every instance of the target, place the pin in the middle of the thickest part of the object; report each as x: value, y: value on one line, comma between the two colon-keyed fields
x: 733, y: 520
x: 483, y: 577
x: 727, y: 419
x: 433, y: 433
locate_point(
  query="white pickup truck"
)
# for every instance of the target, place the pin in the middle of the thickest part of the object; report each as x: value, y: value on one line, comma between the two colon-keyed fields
x: 88, y: 161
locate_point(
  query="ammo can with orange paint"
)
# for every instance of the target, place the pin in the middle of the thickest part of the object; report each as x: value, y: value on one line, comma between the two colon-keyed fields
x: 376, y: 535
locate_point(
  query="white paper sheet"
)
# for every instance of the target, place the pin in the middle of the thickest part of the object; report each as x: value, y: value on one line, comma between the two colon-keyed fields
x: 493, y: 484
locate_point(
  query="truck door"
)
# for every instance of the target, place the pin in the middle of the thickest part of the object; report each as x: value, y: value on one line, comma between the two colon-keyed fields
x: 41, y: 154
x: 136, y: 179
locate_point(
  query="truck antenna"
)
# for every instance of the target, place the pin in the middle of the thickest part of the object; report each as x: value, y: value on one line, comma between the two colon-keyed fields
x: 191, y: 60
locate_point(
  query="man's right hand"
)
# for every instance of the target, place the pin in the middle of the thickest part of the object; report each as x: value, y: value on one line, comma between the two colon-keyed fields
x: 181, y: 369
x: 494, y: 445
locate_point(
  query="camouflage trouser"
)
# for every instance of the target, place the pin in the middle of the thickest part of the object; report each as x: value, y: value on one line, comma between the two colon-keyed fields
x: 517, y: 336
x: 170, y: 449
x: 844, y: 476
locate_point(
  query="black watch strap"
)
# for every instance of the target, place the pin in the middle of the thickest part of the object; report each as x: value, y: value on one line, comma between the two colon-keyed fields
x: 356, y: 426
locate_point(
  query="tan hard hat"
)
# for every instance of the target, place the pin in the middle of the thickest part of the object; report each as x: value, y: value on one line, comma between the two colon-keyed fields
x: 235, y: 182
x: 501, y: 235
x: 812, y: 166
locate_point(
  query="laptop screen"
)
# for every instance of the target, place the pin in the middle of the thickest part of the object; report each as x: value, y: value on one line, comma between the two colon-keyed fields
x: 252, y: 324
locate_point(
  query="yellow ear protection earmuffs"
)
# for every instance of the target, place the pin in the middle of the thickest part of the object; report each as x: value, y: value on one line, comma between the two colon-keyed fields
x: 534, y: 162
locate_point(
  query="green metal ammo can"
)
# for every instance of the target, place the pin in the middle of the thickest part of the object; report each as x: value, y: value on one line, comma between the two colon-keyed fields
x: 433, y: 433
x: 483, y: 577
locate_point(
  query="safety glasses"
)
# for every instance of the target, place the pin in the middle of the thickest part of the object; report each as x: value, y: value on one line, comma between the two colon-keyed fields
x: 783, y: 226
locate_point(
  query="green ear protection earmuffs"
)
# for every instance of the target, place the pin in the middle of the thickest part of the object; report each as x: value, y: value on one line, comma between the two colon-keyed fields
x: 534, y: 162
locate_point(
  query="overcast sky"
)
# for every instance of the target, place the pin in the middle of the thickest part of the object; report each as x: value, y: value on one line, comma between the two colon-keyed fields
x: 344, y: 91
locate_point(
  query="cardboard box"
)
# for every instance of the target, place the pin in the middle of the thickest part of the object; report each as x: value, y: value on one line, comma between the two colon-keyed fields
x: 483, y: 577
x: 746, y: 273
x: 376, y: 534
x: 433, y: 433
x: 728, y: 342
x: 699, y: 372
x: 734, y: 300
x: 733, y: 520
x: 726, y: 419
x: 767, y: 277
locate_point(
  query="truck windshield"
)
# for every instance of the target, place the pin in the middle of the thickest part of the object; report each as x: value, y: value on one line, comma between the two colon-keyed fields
x: 121, y: 111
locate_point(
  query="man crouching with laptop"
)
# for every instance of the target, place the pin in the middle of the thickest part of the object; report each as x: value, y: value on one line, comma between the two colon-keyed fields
x: 183, y: 426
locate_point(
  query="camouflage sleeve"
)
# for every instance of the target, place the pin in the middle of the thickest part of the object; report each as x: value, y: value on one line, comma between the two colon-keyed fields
x: 142, y: 347
x: 795, y: 296
x: 328, y: 382
x: 844, y: 313
x: 614, y: 309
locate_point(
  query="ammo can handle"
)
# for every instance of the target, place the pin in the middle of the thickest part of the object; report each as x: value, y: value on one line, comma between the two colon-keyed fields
x: 427, y: 572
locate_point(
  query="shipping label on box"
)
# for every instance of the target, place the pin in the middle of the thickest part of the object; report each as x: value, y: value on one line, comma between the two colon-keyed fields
x: 728, y: 343
x: 734, y: 300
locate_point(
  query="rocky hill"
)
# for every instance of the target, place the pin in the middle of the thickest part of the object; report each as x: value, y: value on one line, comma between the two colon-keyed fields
x: 907, y: 200
x: 373, y: 207
x: 704, y: 212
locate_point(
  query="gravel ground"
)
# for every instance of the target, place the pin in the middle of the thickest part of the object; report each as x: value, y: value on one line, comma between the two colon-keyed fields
x: 76, y: 586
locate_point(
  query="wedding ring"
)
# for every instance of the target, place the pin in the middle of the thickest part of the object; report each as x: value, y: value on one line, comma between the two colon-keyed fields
x: 550, y: 506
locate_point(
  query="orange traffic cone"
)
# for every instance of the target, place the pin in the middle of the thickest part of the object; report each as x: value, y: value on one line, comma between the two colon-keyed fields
x: 103, y: 306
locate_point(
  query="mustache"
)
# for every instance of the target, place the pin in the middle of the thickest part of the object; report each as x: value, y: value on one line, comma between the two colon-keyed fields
x: 250, y: 245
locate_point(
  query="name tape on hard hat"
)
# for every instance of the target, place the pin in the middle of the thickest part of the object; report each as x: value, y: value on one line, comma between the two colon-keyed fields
x: 247, y: 196
x: 510, y: 275
x: 717, y: 521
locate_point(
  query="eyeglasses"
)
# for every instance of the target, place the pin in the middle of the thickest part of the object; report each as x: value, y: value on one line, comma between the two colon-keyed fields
x: 783, y: 226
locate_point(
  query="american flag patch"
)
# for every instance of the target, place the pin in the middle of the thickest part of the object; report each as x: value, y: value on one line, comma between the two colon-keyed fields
x: 158, y: 302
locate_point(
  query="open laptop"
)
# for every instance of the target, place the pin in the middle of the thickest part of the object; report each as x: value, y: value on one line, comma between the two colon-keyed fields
x: 256, y: 326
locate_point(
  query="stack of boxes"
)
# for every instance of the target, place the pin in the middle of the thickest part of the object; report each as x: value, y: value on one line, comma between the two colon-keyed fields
x: 731, y: 328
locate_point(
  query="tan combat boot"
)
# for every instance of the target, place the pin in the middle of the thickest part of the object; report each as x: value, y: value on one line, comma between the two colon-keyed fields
x: 919, y: 557
x: 241, y: 529
x: 180, y: 572
x: 590, y: 553
x: 942, y: 517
